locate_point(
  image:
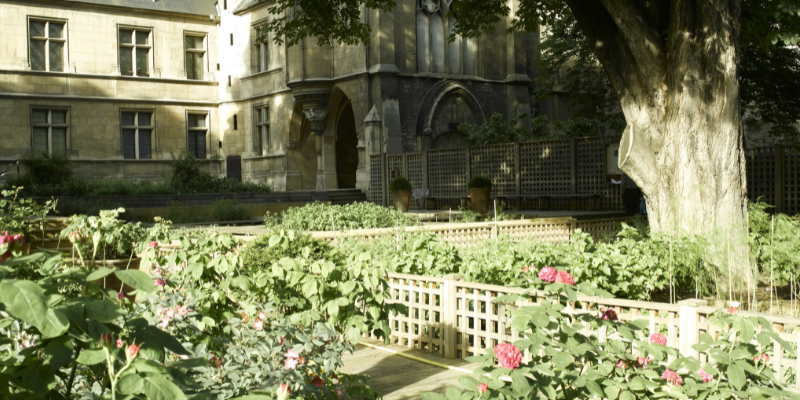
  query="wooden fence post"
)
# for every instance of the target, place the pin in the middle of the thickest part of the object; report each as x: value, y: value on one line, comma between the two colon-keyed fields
x: 687, y: 326
x: 449, y: 318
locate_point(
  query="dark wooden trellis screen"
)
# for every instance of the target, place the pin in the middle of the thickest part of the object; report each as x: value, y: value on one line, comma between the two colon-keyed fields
x: 554, y: 168
x: 773, y: 174
x: 561, y: 168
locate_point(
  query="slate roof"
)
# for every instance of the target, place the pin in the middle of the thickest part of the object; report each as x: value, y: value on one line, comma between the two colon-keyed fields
x: 245, y: 4
x: 195, y: 7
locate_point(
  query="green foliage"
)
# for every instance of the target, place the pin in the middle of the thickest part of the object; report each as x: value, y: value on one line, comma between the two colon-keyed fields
x: 229, y: 210
x: 496, y: 130
x: 260, y: 254
x: 44, y: 179
x: 774, y: 244
x: 325, y: 217
x: 43, y: 169
x: 566, y: 363
x: 400, y: 183
x: 466, y: 216
x: 330, y: 21
x: 479, y: 182
x: 76, y: 206
x: 104, y: 236
x: 16, y: 213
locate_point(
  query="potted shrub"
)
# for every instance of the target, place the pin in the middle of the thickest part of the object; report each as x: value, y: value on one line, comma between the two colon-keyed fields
x: 26, y: 220
x: 479, y: 188
x: 106, y: 241
x: 401, y: 192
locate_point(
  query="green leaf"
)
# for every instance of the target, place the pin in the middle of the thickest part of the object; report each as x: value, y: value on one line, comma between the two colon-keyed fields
x: 131, y: 384
x: 25, y: 300
x: 59, y: 351
x: 103, y: 311
x: 468, y: 382
x: 432, y: 396
x: 520, y: 384
x: 453, y: 393
x: 348, y: 287
x: 626, y: 395
x: 736, y: 376
x: 158, y: 388
x: 354, y: 335
x: 100, y: 273
x: 92, y: 356
x: 562, y: 359
x: 540, y: 320
x: 136, y: 279
x: 595, y: 389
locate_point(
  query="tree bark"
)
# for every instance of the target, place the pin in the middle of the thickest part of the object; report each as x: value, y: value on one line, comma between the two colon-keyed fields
x: 680, y: 96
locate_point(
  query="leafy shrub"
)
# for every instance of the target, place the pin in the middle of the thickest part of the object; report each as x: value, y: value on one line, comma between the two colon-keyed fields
x: 229, y: 210
x: 773, y: 250
x: 78, y: 206
x: 466, y: 216
x: 479, y: 182
x: 51, y: 176
x: 567, y: 363
x: 259, y: 254
x: 400, y: 183
x: 496, y: 130
x: 105, y: 235
x: 325, y: 217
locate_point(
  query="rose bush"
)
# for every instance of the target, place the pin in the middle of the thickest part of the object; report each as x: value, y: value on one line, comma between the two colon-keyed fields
x: 632, y: 363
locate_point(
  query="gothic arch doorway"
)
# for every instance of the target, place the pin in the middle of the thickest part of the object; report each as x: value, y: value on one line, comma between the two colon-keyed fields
x: 346, y: 148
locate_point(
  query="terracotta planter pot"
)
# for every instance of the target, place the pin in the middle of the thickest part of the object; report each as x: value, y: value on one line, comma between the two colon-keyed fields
x: 479, y: 199
x: 401, y: 199
x: 111, y: 281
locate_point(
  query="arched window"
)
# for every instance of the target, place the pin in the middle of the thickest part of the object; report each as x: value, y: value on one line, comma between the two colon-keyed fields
x: 434, y: 54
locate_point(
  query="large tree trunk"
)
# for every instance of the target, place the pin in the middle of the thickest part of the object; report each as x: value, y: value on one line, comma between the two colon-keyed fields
x: 680, y: 96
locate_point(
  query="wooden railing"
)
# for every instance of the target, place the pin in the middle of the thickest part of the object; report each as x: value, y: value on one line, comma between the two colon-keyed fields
x: 552, y: 230
x: 458, y: 319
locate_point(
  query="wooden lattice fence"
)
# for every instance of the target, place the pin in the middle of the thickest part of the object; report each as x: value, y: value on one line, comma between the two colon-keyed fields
x: 773, y: 174
x: 458, y: 319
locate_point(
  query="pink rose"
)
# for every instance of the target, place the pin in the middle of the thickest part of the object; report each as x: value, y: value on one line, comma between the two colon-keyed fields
x: 672, y: 377
x: 733, y: 310
x: 120, y: 343
x: 290, y: 363
x: 262, y: 315
x: 565, y: 278
x: 121, y: 295
x: 525, y: 269
x: 258, y: 325
x: 291, y: 354
x: 170, y: 313
x: 643, y: 361
x: 548, y: 274
x: 508, y: 355
x: 183, y: 310
x: 152, y: 244
x: 164, y: 323
x: 159, y: 282
x: 340, y: 392
x: 621, y: 364
x: 610, y: 315
x: 132, y: 351
x: 706, y: 377
x: 483, y: 387
x: 658, y: 338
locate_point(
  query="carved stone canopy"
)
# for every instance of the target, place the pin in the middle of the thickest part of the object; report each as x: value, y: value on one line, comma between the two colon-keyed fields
x: 315, y: 106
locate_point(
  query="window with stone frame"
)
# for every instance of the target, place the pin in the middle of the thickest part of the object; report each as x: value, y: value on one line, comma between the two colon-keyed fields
x: 48, y: 44
x: 135, y: 51
x: 50, y: 127
x: 261, y: 139
x: 195, y: 45
x: 260, y: 62
x: 434, y: 52
x: 137, y: 127
x: 197, y: 125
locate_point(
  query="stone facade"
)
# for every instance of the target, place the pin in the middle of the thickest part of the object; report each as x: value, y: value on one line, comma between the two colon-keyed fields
x: 287, y: 112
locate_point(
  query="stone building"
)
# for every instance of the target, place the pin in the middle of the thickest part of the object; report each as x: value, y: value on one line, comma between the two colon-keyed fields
x: 119, y: 85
